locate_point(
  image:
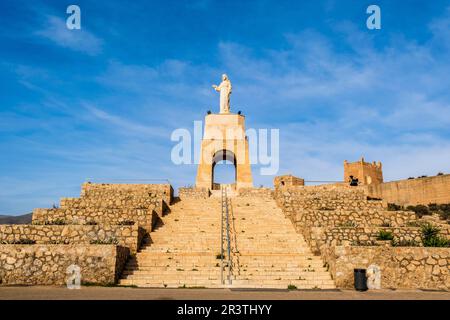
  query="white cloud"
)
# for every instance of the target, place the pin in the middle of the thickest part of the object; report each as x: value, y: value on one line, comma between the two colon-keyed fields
x: 78, y: 40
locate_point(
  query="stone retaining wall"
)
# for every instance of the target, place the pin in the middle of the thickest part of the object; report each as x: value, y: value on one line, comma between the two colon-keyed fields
x: 145, y: 218
x: 317, y: 237
x: 256, y: 192
x: 193, y: 193
x: 112, y: 190
x: 47, y: 264
x: 126, y: 236
x: 401, y: 267
x: 336, y: 205
x: 413, y: 191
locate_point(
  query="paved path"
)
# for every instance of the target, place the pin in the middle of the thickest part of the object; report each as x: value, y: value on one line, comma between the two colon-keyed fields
x: 92, y: 293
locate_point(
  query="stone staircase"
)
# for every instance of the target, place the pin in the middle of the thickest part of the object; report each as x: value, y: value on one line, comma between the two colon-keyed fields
x: 182, y: 251
x: 267, y: 252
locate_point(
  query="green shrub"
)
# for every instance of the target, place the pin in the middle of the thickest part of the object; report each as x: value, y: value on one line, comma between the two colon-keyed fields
x: 292, y: 287
x: 405, y: 243
x: 126, y: 223
x: 21, y: 241
x: 385, y: 235
x: 420, y: 210
x: 219, y: 256
x: 394, y: 207
x: 58, y: 222
x: 431, y: 237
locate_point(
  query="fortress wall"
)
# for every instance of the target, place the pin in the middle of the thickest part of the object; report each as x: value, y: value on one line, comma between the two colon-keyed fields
x: 413, y: 191
x: 126, y: 236
x: 145, y: 218
x: 401, y: 267
x: 47, y: 264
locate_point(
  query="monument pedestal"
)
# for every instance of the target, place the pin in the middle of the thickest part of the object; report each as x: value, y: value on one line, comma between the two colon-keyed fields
x: 224, y: 139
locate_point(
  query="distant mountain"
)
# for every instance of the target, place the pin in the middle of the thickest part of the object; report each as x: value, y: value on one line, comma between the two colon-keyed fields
x: 23, y: 219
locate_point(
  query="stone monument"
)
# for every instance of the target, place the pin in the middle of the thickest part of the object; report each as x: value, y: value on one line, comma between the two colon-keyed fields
x: 225, y: 91
x: 224, y: 139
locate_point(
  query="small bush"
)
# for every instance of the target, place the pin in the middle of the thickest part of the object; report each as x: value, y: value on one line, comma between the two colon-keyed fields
x: 385, y: 235
x: 126, y: 223
x: 58, y: 222
x: 414, y: 224
x: 348, y: 224
x: 292, y: 287
x: 219, y: 256
x: 394, y: 207
x: 431, y: 237
x: 21, y: 241
x: 405, y: 243
x: 106, y: 241
x: 368, y: 243
x: 440, y: 174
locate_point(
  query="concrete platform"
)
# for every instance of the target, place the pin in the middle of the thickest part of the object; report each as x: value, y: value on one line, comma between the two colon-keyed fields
x: 126, y: 293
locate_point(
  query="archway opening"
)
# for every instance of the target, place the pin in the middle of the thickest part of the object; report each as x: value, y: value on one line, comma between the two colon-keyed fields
x: 224, y: 169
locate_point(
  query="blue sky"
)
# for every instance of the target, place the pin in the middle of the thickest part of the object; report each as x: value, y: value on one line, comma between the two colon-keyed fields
x: 102, y: 102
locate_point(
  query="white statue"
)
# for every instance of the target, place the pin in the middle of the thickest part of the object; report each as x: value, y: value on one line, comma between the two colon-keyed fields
x: 225, y: 90
x: 373, y: 275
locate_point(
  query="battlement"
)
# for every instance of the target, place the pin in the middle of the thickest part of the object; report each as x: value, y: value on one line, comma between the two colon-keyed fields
x: 366, y: 172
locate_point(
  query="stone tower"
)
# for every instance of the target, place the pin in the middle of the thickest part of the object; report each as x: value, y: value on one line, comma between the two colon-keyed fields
x: 366, y: 172
x: 224, y: 139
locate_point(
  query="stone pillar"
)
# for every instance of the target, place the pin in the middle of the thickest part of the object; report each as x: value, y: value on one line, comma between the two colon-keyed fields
x: 224, y: 139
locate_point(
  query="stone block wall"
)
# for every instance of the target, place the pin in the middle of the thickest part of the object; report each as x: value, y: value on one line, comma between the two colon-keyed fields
x: 126, y: 236
x: 336, y: 205
x: 193, y: 193
x: 318, y: 237
x: 401, y: 267
x: 47, y: 264
x: 111, y: 190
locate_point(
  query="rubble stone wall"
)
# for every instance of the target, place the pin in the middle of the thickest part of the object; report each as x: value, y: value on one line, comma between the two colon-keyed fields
x: 47, y: 264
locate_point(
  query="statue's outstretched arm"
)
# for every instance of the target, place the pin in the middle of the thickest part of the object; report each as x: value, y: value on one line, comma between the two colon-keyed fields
x: 217, y: 88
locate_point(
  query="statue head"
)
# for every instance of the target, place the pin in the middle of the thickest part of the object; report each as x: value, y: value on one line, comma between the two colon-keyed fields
x: 224, y: 77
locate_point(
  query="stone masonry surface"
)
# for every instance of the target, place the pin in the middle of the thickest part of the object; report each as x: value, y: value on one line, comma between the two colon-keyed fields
x: 127, y: 236
x: 47, y: 264
x: 401, y: 267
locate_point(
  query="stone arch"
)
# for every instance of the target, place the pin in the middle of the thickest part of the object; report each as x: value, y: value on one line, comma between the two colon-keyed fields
x: 223, y: 155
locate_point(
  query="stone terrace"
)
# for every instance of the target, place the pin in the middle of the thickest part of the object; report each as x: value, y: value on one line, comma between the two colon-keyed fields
x: 98, y: 231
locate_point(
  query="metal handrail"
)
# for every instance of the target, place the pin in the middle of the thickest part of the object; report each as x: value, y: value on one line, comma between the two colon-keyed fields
x: 225, y: 216
x: 228, y: 238
x: 221, y: 242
